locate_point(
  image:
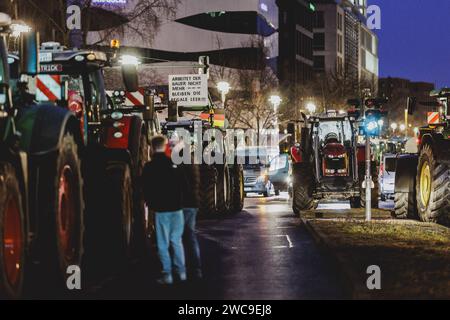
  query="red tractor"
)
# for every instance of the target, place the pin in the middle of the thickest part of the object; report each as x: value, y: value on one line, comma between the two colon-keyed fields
x: 328, y: 164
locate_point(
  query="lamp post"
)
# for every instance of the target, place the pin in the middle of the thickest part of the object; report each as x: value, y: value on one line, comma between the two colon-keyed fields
x: 394, y: 127
x: 311, y: 107
x: 224, y: 89
x: 275, y: 100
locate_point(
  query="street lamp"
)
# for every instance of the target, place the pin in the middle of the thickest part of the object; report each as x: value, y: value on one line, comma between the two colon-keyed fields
x: 18, y: 27
x: 275, y: 100
x: 224, y: 88
x: 311, y: 107
x: 394, y: 127
x: 129, y: 60
x: 402, y: 127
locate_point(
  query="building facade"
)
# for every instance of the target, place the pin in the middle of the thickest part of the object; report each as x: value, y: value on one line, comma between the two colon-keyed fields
x: 296, y: 20
x: 397, y: 90
x: 343, y: 45
x: 233, y: 33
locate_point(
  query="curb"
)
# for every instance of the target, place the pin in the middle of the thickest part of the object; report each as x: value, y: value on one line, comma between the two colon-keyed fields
x: 346, y: 276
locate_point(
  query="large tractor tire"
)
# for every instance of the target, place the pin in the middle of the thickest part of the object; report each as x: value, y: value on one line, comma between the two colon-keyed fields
x: 61, y: 208
x: 404, y: 205
x: 432, y: 188
x: 303, y: 188
x: 405, y: 187
x: 142, y: 231
x: 237, y: 187
x: 374, y: 190
x: 223, y: 189
x: 208, y: 191
x: 119, y: 208
x: 13, y: 239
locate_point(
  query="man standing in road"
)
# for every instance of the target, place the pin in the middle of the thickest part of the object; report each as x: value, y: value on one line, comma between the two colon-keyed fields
x: 191, y: 203
x: 162, y: 185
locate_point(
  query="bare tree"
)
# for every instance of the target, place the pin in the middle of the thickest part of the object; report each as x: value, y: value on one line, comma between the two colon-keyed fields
x: 50, y: 19
x: 144, y: 20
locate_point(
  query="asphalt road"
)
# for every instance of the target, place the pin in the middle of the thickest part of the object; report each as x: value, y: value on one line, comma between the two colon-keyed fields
x: 261, y: 253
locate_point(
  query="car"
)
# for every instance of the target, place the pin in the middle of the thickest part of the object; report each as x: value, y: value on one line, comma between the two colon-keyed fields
x: 387, y: 177
x: 256, y: 171
x: 280, y: 173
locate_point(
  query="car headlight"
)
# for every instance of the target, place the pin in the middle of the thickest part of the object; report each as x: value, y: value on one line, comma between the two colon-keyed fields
x: 261, y: 179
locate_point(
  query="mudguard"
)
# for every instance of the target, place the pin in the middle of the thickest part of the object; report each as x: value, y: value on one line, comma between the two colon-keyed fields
x: 441, y: 146
x: 43, y: 128
x: 405, y: 173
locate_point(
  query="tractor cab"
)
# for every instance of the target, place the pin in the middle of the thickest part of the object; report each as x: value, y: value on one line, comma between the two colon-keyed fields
x: 334, y: 140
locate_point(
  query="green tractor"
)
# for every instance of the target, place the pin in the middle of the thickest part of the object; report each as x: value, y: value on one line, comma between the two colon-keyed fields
x: 422, y: 178
x: 13, y: 184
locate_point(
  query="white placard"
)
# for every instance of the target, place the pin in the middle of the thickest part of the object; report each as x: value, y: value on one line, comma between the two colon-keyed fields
x: 189, y: 90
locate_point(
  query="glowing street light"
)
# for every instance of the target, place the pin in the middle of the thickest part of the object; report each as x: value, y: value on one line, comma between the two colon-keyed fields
x: 224, y: 88
x: 402, y: 127
x: 129, y: 60
x: 19, y: 27
x: 275, y: 100
x: 311, y: 107
x: 394, y: 127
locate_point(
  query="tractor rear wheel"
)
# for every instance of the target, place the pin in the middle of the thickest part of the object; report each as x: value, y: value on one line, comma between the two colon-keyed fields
x: 303, y: 188
x: 223, y: 189
x: 237, y: 189
x: 61, y: 201
x: 141, y: 231
x: 433, y: 184
x: 208, y: 190
x: 119, y: 205
x: 12, y: 234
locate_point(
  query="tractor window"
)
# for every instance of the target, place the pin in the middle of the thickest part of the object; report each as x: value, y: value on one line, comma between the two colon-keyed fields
x: 341, y: 129
x: 3, y: 60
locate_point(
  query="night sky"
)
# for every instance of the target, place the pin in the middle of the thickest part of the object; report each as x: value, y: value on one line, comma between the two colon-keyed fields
x: 415, y: 40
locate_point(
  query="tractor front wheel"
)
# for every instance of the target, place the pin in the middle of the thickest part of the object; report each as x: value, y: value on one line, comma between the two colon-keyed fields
x: 12, y: 234
x: 433, y: 183
x: 303, y: 187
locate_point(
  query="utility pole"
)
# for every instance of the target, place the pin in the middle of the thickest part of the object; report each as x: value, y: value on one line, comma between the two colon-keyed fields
x: 368, y: 180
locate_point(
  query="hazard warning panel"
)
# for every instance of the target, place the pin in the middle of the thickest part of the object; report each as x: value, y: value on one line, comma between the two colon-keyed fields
x: 48, y: 87
x: 433, y: 118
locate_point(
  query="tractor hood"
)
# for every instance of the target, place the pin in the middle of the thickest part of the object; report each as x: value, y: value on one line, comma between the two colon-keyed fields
x: 334, y: 150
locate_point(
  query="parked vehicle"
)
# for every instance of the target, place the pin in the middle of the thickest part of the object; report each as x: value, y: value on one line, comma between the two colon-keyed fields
x: 328, y: 164
x: 280, y: 173
x: 256, y: 170
x: 387, y: 177
x: 422, y: 180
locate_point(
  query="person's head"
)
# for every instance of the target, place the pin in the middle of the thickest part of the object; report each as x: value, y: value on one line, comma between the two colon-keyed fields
x: 159, y: 144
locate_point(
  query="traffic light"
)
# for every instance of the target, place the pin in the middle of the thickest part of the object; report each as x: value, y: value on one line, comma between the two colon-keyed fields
x: 374, y: 122
x: 375, y: 103
x: 411, y: 105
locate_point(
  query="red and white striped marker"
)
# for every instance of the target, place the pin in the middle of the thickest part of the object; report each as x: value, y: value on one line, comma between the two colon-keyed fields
x: 48, y: 87
x: 433, y: 118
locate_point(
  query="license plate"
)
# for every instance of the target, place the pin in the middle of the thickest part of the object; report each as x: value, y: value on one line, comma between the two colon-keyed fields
x: 45, y: 57
x: 46, y: 68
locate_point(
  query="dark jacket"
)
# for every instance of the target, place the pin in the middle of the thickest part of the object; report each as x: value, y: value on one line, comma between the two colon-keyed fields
x: 162, y: 184
x: 191, y: 185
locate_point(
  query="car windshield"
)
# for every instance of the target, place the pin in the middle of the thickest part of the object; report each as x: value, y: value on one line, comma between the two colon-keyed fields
x: 390, y: 164
x: 342, y: 129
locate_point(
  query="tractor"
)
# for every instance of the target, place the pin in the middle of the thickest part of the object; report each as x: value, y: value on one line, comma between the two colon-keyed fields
x: 222, y: 184
x: 422, y: 179
x: 81, y: 212
x: 13, y: 180
x: 328, y: 163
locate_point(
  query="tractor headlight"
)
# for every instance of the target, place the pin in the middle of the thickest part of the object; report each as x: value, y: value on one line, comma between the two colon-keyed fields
x: 117, y: 115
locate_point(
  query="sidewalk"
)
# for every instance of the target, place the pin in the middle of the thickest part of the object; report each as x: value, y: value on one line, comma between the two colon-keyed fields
x: 414, y: 257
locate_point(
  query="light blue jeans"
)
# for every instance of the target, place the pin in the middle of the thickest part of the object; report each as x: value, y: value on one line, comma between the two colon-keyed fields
x: 169, y: 233
x: 191, y: 243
